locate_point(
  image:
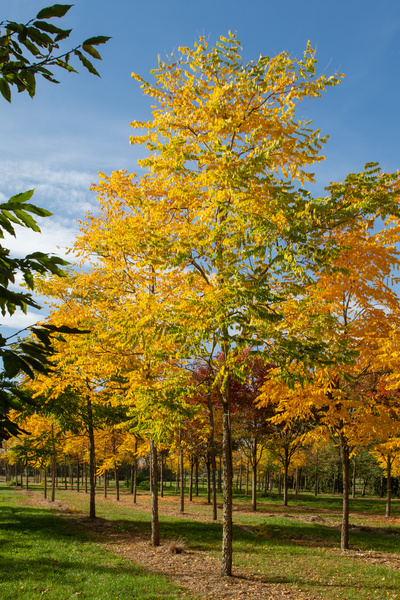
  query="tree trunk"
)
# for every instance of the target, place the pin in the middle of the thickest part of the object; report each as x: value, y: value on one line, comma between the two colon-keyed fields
x: 116, y: 475
x: 177, y: 478
x: 77, y: 475
x: 227, y: 525
x: 208, y: 468
x: 196, y: 476
x: 389, y: 486
x: 344, y: 449
x: 65, y: 473
x: 45, y: 482
x: 92, y: 459
x: 254, y: 481
x: 364, y: 486
x: 182, y: 494
x: 27, y: 478
x: 155, y: 529
x: 296, y: 488
x: 285, y: 477
x: 191, y: 479
x: 53, y: 479
x: 105, y: 478
x: 162, y: 462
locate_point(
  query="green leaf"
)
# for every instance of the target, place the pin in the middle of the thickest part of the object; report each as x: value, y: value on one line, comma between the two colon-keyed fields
x: 94, y: 41
x: 50, y: 28
x: 31, y: 47
x: 57, y: 10
x: 12, y: 364
x: 27, y: 220
x: 21, y: 197
x: 42, y: 39
x: 92, y: 51
x: 5, y: 89
x: 86, y: 63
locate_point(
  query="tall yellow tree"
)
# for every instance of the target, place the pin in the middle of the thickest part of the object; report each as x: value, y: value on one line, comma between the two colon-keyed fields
x: 219, y: 214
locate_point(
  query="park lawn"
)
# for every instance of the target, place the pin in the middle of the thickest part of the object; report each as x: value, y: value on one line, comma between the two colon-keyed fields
x: 278, y: 544
x: 42, y: 556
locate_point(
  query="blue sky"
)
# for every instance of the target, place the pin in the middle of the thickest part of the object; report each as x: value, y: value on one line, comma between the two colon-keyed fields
x: 58, y: 141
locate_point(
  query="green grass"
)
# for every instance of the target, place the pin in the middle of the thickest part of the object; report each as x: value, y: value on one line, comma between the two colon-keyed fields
x: 41, y: 556
x: 282, y: 545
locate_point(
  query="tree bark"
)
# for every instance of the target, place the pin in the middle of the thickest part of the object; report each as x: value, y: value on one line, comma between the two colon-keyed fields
x: 196, y: 476
x: 227, y: 525
x: 254, y: 480
x: 285, y: 477
x: 344, y: 449
x: 208, y: 468
x: 155, y: 528
x: 162, y: 462
x: 92, y: 458
x: 191, y: 479
x: 182, y: 494
x: 53, y: 479
x: 389, y: 486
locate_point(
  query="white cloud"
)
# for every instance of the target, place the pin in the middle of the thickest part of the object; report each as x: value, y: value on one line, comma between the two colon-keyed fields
x: 20, y: 320
x: 65, y: 191
x: 55, y: 238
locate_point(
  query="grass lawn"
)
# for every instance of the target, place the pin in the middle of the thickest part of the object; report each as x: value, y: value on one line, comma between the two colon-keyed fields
x: 41, y: 556
x: 282, y: 544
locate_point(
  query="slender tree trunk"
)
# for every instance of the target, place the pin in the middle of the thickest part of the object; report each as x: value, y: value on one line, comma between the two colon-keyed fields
x: 254, y: 480
x: 296, y: 489
x: 227, y: 525
x: 285, y: 477
x: 65, y: 473
x: 77, y: 475
x: 389, y: 486
x: 364, y: 486
x: 45, y: 482
x: 155, y: 529
x: 196, y: 476
x: 212, y: 457
x: 182, y: 494
x: 27, y: 477
x: 116, y: 474
x: 191, y: 479
x: 53, y: 479
x: 162, y: 463
x: 220, y: 476
x: 344, y: 542
x: 240, y: 473
x: 177, y: 478
x: 92, y: 459
x: 208, y: 468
